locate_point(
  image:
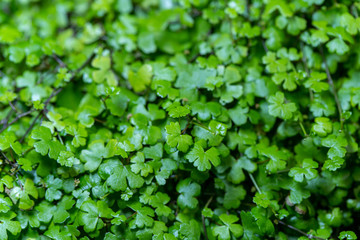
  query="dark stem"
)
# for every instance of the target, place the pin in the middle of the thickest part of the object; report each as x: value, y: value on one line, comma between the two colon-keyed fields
x: 54, y: 93
x: 186, y: 127
x: 331, y: 83
x: 6, y: 125
x: 59, y: 61
x: 6, y: 119
x: 12, y: 106
x: 299, y: 231
x: 30, y: 127
x: 203, y: 217
x: 131, y: 215
x: 204, y: 227
x: 264, y: 45
x: 83, y: 65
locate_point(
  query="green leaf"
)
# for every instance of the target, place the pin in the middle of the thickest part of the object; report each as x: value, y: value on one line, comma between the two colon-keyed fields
x: 334, y: 163
x: 140, y: 80
x: 7, y: 224
x: 23, y: 195
x: 9, y: 34
x: 322, y: 126
x: 46, y: 145
x: 92, y: 215
x: 261, y: 200
x: 223, y: 232
x: 146, y: 42
x: 336, y: 145
x: 203, y: 159
x: 67, y: 159
x: 233, y: 196
x: 176, y: 110
x: 143, y: 216
x: 103, y: 64
x: 338, y: 46
x: 348, y: 235
x: 118, y: 176
x: 54, y: 232
x: 306, y: 170
x: 282, y: 6
x: 251, y: 229
x: 276, y: 158
x: 315, y: 82
x: 278, y: 107
x: 175, y: 138
x: 5, y: 204
x: 204, y: 111
x: 140, y: 166
x: 97, y: 151
x: 191, y: 229
x: 351, y: 24
x: 188, y: 191
x: 236, y: 174
x: 159, y: 201
x: 79, y: 134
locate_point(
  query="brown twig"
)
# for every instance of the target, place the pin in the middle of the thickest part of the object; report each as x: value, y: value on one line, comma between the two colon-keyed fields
x: 131, y: 215
x: 186, y: 127
x: 310, y: 236
x: 59, y: 61
x: 6, y: 125
x: 30, y: 127
x: 5, y: 157
x: 54, y: 93
x: 6, y: 119
x: 13, y: 106
x: 331, y: 83
x: 83, y: 65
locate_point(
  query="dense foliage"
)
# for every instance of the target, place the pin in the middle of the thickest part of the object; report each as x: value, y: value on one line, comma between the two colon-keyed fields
x: 179, y: 119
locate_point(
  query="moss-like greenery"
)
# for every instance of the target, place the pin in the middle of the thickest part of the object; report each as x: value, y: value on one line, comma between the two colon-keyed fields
x: 179, y: 119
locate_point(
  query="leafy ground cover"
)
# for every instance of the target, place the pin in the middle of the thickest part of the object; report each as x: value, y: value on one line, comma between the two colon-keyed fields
x: 179, y: 119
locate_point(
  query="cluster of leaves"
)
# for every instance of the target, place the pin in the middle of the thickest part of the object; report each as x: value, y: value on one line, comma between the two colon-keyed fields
x: 179, y: 119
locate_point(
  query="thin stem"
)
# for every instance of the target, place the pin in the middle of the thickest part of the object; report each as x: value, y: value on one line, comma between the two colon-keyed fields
x: 131, y: 215
x: 83, y: 65
x: 283, y: 171
x: 54, y: 93
x: 30, y: 127
x: 24, y: 153
x: 59, y: 61
x: 203, y: 218
x: 331, y: 83
x: 264, y: 45
x: 5, y: 157
x: 13, y: 106
x: 303, y: 129
x: 299, y: 231
x: 104, y: 101
x: 209, y: 201
x: 254, y: 182
x: 186, y: 127
x: 204, y: 227
x: 60, y: 139
x: 6, y: 125
x: 198, y: 123
x: 304, y: 60
x: 6, y: 119
x: 261, y: 162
